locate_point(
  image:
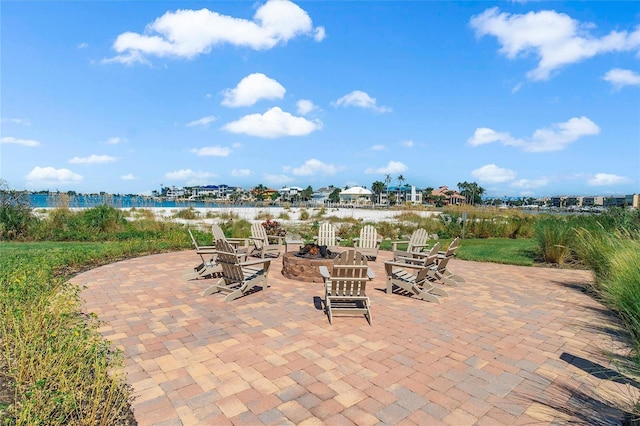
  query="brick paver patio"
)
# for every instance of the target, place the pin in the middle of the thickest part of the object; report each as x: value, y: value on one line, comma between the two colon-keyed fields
x: 512, y: 345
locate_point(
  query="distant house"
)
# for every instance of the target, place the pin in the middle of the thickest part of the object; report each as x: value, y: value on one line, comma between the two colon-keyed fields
x: 321, y: 195
x: 356, y: 195
x: 450, y: 196
x: 289, y: 193
x: 175, y: 192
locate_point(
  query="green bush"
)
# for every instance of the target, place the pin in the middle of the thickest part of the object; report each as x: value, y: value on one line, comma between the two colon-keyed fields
x: 189, y: 214
x: 15, y: 213
x: 555, y: 238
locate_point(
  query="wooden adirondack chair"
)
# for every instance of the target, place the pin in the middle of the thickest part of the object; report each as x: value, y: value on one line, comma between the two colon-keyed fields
x: 438, y: 272
x: 368, y: 243
x: 241, y: 244
x: 238, y: 277
x: 418, y: 258
x: 417, y: 242
x: 327, y: 237
x: 413, y: 280
x: 449, y: 254
x: 208, y: 266
x: 345, y: 285
x: 264, y: 245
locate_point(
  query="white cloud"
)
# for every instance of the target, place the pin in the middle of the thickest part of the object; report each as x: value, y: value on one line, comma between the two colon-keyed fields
x: 620, y: 78
x: 241, y: 172
x: 378, y: 148
x: 128, y: 176
x: 391, y: 168
x: 313, y: 167
x: 83, y: 45
x: 115, y: 141
x: 251, y: 89
x: 529, y: 183
x: 556, y: 138
x: 606, y: 179
x: 188, y: 33
x: 305, y: 106
x: 19, y: 121
x: 16, y: 141
x: 408, y: 143
x: 204, y: 121
x: 490, y: 173
x: 50, y: 175
x: 516, y: 88
x: 555, y: 38
x: 273, y: 124
x: 93, y: 159
x: 277, y: 180
x: 360, y: 99
x: 190, y: 177
x: 211, y: 151
x: 320, y: 34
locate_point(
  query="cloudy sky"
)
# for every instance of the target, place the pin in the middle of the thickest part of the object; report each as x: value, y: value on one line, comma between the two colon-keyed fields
x: 527, y: 98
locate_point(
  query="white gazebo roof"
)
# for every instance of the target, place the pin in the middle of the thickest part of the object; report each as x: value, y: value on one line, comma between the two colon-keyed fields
x: 356, y: 190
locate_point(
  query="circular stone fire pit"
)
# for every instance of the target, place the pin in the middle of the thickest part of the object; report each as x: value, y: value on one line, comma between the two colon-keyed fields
x: 297, y: 267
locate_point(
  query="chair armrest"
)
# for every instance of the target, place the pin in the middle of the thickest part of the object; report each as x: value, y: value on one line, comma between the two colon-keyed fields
x: 394, y: 244
x: 324, y: 272
x: 254, y: 262
x: 244, y: 241
x: 389, y: 264
x: 370, y: 274
x: 275, y: 237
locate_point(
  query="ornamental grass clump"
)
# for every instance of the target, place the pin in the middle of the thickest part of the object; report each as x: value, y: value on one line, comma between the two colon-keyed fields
x: 555, y: 237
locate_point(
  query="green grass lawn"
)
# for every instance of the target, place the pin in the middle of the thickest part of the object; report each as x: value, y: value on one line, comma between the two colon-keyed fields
x: 520, y: 251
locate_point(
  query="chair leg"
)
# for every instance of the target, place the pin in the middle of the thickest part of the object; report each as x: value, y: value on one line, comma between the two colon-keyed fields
x: 438, y: 291
x: 428, y: 297
x: 368, y: 314
x: 233, y: 295
x: 214, y: 288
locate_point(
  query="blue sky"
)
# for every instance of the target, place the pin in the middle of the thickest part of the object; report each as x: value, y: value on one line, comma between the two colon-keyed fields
x: 525, y: 98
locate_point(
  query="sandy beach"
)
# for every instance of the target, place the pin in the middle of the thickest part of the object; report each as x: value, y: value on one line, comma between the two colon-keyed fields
x: 253, y: 214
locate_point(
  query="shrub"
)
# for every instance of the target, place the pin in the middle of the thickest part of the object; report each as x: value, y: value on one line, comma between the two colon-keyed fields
x: 15, y: 213
x: 189, y: 214
x: 304, y: 214
x: 555, y: 238
x: 274, y: 228
x: 103, y: 219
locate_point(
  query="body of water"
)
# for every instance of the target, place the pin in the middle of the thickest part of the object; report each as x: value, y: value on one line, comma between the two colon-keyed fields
x: 117, y: 201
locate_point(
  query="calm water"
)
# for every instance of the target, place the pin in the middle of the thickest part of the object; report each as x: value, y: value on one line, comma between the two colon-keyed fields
x: 118, y: 201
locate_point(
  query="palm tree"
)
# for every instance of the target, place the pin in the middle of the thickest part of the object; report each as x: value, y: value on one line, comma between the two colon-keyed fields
x: 377, y: 187
x: 387, y: 181
x: 401, y: 180
x: 427, y: 193
x: 258, y: 191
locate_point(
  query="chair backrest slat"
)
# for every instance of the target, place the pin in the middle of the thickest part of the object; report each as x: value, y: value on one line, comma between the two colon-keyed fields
x: 368, y: 237
x: 349, y: 274
x: 418, y: 240
x: 326, y: 235
x: 259, y: 235
x: 228, y: 259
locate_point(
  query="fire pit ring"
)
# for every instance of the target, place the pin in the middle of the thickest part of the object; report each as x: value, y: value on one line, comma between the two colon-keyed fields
x: 306, y: 266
